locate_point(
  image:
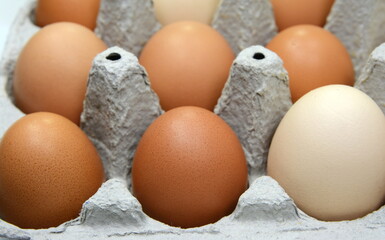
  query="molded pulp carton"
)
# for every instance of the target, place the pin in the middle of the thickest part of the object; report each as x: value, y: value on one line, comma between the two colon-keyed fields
x: 119, y: 88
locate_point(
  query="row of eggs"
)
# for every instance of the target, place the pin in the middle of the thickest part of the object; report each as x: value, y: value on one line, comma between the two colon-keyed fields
x: 313, y: 57
x: 288, y: 159
x: 287, y: 12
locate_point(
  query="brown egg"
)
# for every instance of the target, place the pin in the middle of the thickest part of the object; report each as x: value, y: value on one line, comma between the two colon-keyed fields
x: 84, y: 12
x: 189, y: 168
x: 188, y: 64
x: 48, y: 169
x: 296, y: 12
x: 52, y: 70
x: 313, y: 58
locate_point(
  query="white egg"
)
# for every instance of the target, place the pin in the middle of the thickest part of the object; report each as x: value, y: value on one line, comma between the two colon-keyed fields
x: 328, y: 153
x: 169, y: 11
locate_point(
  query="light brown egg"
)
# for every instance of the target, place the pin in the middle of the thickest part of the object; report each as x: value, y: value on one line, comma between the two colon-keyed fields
x: 188, y: 63
x: 48, y: 169
x: 328, y: 153
x: 289, y: 13
x: 313, y: 58
x: 84, y: 12
x: 189, y: 168
x: 51, y: 72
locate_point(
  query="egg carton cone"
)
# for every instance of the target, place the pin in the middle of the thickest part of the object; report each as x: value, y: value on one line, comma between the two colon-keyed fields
x: 120, y: 105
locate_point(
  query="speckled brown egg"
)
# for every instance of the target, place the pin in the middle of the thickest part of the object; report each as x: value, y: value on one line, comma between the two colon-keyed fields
x: 313, y: 57
x: 188, y: 64
x: 48, y: 169
x: 83, y: 12
x: 51, y: 72
x: 189, y: 168
x: 289, y: 13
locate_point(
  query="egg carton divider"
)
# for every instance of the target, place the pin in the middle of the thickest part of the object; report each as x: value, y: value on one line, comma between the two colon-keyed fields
x: 119, y: 106
x: 264, y: 211
x: 372, y: 78
x: 254, y: 99
x: 358, y: 24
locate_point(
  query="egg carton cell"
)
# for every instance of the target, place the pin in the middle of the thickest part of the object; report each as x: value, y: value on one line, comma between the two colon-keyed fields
x: 120, y: 105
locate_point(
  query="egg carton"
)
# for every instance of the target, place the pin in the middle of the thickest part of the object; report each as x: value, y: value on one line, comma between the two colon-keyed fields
x: 120, y: 105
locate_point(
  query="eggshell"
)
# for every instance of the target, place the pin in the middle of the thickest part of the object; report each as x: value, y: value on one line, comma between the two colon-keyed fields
x: 264, y: 211
x: 83, y: 12
x: 313, y: 58
x: 51, y: 72
x: 188, y: 63
x: 48, y: 169
x: 189, y: 168
x: 289, y: 13
x: 328, y: 153
x: 169, y: 11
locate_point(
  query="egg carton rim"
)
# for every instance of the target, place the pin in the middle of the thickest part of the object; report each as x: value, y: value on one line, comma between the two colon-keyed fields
x: 300, y: 213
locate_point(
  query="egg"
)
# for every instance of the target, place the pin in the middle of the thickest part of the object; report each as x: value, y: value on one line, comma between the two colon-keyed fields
x: 83, y: 12
x: 189, y: 168
x: 313, y: 57
x: 188, y: 64
x: 328, y: 153
x: 48, y: 169
x: 169, y: 11
x: 289, y: 13
x: 51, y: 72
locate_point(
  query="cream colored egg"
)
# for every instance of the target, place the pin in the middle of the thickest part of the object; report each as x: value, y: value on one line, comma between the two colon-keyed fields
x: 328, y: 153
x: 169, y: 11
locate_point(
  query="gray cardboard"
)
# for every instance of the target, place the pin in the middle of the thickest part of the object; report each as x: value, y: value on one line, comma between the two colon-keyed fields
x: 120, y: 105
x: 358, y: 24
x: 372, y: 79
x: 253, y: 102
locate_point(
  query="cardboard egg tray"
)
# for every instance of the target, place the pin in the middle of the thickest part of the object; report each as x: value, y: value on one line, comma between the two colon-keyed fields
x: 120, y: 105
